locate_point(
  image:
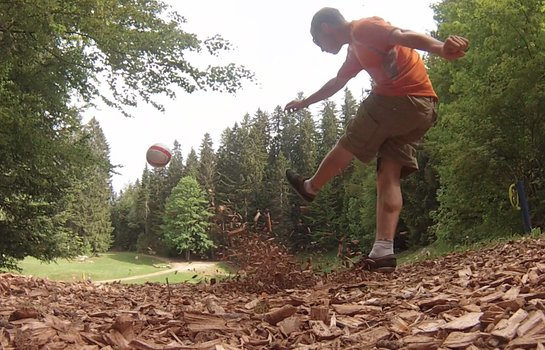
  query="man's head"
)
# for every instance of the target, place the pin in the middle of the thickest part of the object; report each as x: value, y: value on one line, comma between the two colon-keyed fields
x: 328, y: 29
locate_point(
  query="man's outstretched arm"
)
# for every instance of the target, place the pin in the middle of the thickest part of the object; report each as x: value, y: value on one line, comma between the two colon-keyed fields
x: 454, y: 47
x: 326, y: 91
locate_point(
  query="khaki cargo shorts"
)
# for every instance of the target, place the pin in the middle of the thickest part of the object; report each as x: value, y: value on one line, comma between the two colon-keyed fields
x: 390, y: 127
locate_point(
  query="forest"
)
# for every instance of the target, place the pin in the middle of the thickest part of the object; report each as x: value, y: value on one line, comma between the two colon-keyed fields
x: 56, y: 198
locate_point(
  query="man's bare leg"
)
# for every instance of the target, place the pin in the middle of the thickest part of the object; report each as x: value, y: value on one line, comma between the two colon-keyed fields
x: 389, y: 204
x: 336, y: 160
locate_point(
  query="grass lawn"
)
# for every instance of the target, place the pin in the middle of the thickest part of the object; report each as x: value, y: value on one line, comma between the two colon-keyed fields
x: 179, y: 277
x: 223, y: 270
x: 104, y: 267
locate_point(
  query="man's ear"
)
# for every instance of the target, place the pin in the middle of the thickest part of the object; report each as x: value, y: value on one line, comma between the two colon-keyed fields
x: 326, y: 28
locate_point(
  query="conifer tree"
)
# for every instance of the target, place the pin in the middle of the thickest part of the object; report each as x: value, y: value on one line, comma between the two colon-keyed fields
x: 207, y: 167
x: 175, y: 168
x: 360, y: 206
x: 140, y: 216
x: 123, y: 211
x: 227, y: 170
x: 255, y: 145
x: 88, y: 214
x: 287, y: 134
x: 326, y: 210
x: 191, y: 164
x: 245, y: 159
x: 157, y: 189
x: 277, y: 188
x: 187, y: 218
x: 349, y: 109
x: 305, y: 155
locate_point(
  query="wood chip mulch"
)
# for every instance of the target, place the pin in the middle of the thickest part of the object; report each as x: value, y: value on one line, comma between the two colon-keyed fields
x: 488, y: 299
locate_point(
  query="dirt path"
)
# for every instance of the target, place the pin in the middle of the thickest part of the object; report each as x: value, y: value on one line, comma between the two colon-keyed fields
x: 208, y: 267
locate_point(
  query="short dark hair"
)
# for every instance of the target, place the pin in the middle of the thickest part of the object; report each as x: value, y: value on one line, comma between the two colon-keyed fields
x: 325, y: 15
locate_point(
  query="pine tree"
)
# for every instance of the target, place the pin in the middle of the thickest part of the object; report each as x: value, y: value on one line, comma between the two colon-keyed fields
x: 256, y: 144
x: 186, y: 218
x: 302, y: 155
x: 207, y: 167
x: 288, y: 135
x: 158, y: 194
x: 419, y: 202
x: 360, y: 206
x: 326, y: 210
x: 227, y: 169
x: 349, y: 110
x: 140, y: 216
x: 88, y: 215
x: 277, y: 188
x: 349, y: 107
x: 175, y: 168
x: 125, y: 236
x: 192, y: 164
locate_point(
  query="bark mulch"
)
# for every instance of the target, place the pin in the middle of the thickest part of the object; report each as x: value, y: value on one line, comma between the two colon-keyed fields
x: 488, y: 299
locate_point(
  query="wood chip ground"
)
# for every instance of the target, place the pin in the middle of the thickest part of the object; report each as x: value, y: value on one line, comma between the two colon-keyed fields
x: 487, y: 299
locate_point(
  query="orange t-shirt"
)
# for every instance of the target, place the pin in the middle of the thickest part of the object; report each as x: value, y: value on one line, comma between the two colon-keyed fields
x: 396, y: 70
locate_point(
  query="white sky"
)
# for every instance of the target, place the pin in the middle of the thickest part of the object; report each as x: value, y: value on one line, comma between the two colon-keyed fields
x: 272, y: 39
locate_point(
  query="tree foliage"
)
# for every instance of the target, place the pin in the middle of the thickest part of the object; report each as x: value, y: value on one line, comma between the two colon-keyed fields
x: 186, y: 218
x: 124, y: 224
x: 324, y: 214
x: 207, y: 167
x: 492, y: 126
x: 138, y: 48
x: 88, y: 208
x: 54, y: 171
x: 58, y: 56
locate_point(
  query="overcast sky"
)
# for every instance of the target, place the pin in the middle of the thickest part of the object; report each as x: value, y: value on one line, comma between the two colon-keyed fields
x: 270, y: 38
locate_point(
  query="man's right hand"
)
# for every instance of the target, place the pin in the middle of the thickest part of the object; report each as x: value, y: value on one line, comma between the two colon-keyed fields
x: 454, y: 47
x: 296, y: 105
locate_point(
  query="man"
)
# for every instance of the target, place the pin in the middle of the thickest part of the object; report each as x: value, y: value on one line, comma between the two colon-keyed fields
x: 390, y: 121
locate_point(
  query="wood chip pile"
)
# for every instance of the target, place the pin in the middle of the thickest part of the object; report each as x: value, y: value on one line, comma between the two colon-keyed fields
x: 262, y: 265
x: 488, y: 299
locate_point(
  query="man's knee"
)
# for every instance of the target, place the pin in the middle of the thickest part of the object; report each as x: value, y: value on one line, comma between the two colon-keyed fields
x: 388, y: 172
x: 392, y: 205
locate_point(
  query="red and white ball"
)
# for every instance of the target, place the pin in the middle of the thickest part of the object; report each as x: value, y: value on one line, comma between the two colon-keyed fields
x: 158, y: 155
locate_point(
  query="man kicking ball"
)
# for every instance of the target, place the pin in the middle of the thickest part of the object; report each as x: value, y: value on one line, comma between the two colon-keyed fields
x: 389, y: 123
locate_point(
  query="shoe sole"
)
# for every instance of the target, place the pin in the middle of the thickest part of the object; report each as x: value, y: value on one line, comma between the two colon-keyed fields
x: 302, y: 197
x: 384, y: 269
x: 387, y: 267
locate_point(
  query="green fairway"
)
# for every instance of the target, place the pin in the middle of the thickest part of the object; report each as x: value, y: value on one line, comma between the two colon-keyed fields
x: 104, y: 267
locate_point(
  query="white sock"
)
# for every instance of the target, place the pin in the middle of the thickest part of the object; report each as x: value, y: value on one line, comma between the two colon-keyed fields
x: 382, y: 248
x: 309, y: 188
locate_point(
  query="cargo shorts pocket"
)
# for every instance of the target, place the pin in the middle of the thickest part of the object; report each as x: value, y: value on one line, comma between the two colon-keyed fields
x: 363, y: 137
